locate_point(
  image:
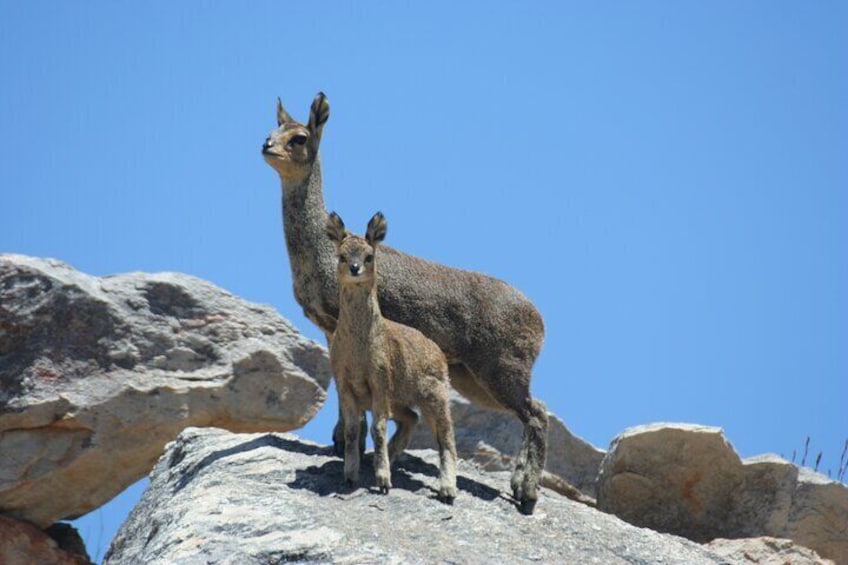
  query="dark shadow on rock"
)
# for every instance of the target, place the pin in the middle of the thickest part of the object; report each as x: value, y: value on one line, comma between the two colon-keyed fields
x: 324, y: 480
x: 268, y: 440
x: 328, y: 479
x: 472, y: 487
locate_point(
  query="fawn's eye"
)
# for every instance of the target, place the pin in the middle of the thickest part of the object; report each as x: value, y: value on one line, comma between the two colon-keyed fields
x: 342, y: 260
x: 369, y: 258
x: 297, y: 140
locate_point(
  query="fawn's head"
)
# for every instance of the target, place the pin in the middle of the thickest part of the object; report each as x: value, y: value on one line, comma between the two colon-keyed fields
x: 356, y: 263
x: 292, y: 148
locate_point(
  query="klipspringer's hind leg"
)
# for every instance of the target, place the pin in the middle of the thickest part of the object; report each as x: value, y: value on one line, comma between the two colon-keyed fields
x: 509, y: 384
x: 406, y: 419
x: 534, y: 449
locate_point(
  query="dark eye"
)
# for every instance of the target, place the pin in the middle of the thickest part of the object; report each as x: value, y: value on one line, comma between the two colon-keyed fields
x: 297, y: 140
x: 342, y: 260
x: 369, y: 258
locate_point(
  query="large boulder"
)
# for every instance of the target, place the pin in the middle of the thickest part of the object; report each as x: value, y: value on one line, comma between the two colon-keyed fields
x: 688, y: 480
x: 493, y: 438
x: 98, y: 374
x: 217, y: 497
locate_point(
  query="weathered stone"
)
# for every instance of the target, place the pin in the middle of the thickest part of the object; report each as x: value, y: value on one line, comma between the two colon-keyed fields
x: 98, y: 374
x: 688, y: 480
x: 766, y: 551
x: 479, y: 431
x: 216, y: 497
x: 22, y: 542
x: 678, y: 479
x: 818, y: 517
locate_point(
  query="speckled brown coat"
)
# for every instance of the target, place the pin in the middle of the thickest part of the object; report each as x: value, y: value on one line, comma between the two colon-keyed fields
x: 383, y: 366
x: 489, y: 331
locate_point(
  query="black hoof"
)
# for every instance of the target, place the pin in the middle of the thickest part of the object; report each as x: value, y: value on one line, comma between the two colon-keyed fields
x: 383, y: 490
x: 526, y: 506
x: 447, y: 500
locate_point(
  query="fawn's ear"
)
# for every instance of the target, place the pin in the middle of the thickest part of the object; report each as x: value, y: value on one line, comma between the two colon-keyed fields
x: 319, y: 113
x: 377, y: 228
x: 335, y: 228
x: 282, y: 116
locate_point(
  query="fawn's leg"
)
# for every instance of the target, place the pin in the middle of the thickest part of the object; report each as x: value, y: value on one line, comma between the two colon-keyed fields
x: 351, y: 413
x: 339, y: 432
x: 439, y: 420
x: 379, y: 433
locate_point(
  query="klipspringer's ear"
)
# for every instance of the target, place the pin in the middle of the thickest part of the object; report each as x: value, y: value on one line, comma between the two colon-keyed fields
x: 377, y: 228
x: 319, y: 113
x: 282, y: 116
x: 335, y: 228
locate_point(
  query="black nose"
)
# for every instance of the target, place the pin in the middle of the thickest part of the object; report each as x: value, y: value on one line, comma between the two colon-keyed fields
x: 354, y: 269
x: 268, y: 143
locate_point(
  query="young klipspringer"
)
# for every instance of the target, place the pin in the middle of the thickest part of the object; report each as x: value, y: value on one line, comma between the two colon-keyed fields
x: 383, y: 366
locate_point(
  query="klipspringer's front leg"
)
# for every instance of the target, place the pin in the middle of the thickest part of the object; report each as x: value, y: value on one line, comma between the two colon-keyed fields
x: 339, y: 433
x: 379, y: 433
x: 351, y: 436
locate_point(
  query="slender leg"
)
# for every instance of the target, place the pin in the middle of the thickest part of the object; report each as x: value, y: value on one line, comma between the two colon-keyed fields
x: 351, y: 452
x: 438, y: 418
x: 513, y: 392
x: 406, y: 420
x: 339, y: 433
x: 381, y: 450
x: 447, y: 458
x: 525, y: 480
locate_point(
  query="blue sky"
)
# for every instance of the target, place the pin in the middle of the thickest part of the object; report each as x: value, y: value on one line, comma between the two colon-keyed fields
x: 667, y: 181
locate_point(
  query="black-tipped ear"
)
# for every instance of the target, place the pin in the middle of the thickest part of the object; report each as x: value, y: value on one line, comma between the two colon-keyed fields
x: 319, y: 113
x: 377, y: 228
x: 335, y: 228
x: 282, y: 116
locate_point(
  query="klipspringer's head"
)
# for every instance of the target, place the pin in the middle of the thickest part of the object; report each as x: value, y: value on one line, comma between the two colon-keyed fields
x: 292, y: 148
x: 356, y: 255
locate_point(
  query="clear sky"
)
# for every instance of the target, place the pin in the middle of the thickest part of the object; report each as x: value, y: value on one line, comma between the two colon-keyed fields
x: 667, y: 181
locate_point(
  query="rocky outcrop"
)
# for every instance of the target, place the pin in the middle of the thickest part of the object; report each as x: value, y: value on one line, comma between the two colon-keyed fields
x: 22, y: 542
x: 272, y: 498
x: 98, y: 374
x: 492, y: 438
x: 689, y: 481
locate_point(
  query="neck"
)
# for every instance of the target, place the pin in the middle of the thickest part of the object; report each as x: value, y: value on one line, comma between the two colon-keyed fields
x: 303, y: 206
x: 311, y: 252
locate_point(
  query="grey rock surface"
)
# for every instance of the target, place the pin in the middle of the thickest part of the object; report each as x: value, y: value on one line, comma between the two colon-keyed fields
x: 98, y: 374
x: 217, y: 497
x: 479, y: 431
x: 689, y: 481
